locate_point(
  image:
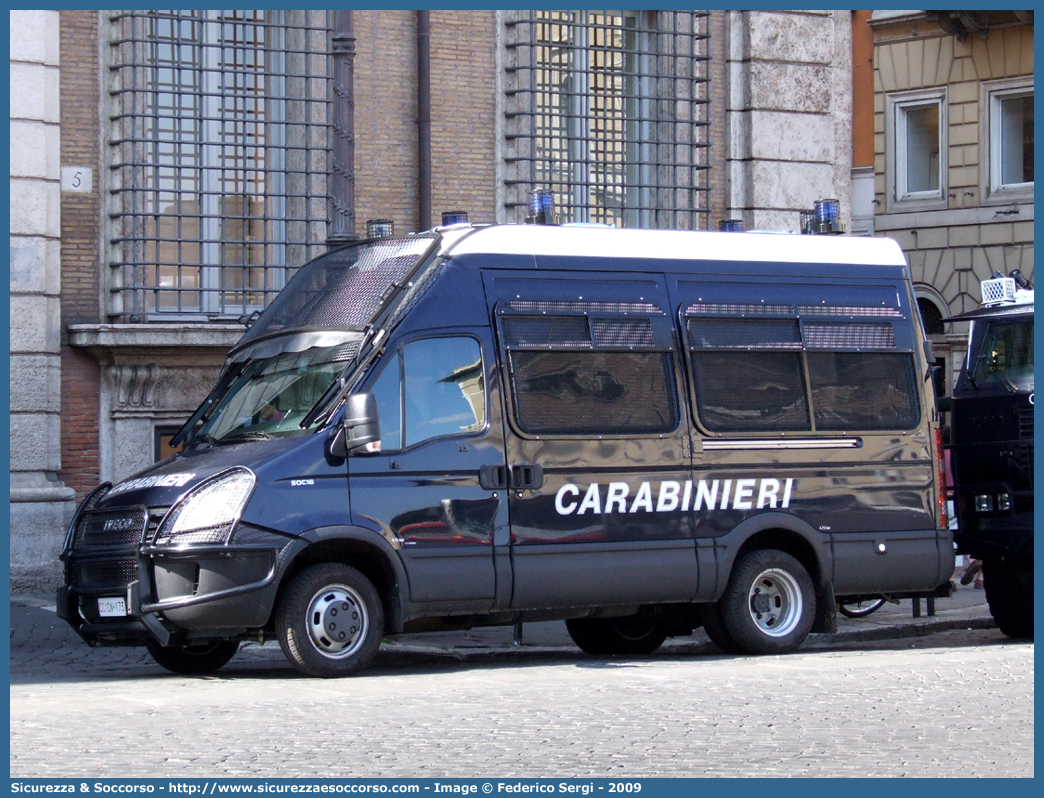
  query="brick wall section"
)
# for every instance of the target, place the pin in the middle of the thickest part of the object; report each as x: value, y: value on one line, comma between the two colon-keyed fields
x: 463, y: 112
x: 81, y: 261
x: 462, y: 116
x: 81, y: 213
x: 80, y: 380
x: 386, y: 118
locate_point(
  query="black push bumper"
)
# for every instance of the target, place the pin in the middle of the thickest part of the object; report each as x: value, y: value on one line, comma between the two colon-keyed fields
x: 184, y: 594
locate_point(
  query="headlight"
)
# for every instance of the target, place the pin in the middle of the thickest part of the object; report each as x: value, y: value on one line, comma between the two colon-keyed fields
x: 209, y: 512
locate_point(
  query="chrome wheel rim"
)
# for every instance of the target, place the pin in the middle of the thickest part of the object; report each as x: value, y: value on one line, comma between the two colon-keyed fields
x: 337, y: 621
x: 775, y: 602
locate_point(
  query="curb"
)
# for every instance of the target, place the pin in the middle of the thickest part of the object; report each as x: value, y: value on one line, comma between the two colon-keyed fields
x: 900, y: 631
x: 691, y: 648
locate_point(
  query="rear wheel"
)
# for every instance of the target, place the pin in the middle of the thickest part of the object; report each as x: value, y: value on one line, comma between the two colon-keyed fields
x: 638, y: 634
x: 194, y: 659
x: 1009, y: 592
x: 330, y: 621
x: 769, y: 604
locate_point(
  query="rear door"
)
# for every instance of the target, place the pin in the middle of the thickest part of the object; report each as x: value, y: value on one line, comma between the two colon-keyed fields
x: 596, y: 442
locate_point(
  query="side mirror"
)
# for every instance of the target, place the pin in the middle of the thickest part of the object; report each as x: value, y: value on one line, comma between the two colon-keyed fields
x: 361, y: 429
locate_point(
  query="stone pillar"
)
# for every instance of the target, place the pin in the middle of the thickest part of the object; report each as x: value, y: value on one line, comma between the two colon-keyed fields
x: 789, y: 125
x: 41, y: 506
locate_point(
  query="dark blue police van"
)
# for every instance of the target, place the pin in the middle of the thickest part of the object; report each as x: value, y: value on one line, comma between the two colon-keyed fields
x: 638, y: 432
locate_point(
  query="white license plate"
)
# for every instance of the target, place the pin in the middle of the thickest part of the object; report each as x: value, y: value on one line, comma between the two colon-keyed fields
x: 112, y: 607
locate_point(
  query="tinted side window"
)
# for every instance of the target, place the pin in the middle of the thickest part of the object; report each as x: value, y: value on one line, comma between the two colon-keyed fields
x: 444, y: 391
x: 826, y: 367
x: 437, y: 384
x: 863, y: 390
x: 748, y: 374
x: 388, y: 392
x: 746, y: 391
x: 593, y: 392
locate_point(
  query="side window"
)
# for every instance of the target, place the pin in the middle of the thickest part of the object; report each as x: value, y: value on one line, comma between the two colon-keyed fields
x: 436, y: 386
x: 600, y: 373
x: 444, y: 391
x: 607, y: 393
x: 388, y: 392
x: 863, y: 390
x: 746, y: 375
x: 827, y: 368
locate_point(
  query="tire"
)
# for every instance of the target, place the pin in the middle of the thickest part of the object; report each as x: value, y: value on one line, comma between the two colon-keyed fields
x: 1009, y: 592
x: 714, y: 626
x: 860, y: 609
x: 310, y: 621
x: 194, y: 659
x: 769, y: 604
x: 633, y: 635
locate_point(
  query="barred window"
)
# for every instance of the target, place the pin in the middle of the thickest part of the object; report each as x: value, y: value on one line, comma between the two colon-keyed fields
x: 609, y: 110
x: 219, y: 135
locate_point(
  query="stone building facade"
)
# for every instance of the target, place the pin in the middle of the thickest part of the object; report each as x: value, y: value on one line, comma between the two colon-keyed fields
x: 169, y: 170
x: 953, y: 154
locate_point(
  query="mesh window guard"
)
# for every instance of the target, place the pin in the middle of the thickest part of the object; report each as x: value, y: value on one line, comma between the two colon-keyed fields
x: 560, y: 332
x: 219, y: 143
x: 609, y: 110
x: 573, y: 332
x: 342, y: 289
x: 849, y: 336
x: 743, y: 334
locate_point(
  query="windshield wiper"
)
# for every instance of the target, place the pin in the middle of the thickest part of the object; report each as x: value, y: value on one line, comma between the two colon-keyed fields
x: 244, y: 435
x: 204, y: 437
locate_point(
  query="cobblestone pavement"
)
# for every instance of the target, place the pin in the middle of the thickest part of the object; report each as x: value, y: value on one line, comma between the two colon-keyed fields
x: 954, y: 701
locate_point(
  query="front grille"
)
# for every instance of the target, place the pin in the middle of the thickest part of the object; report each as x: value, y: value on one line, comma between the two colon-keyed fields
x: 121, y: 527
x: 103, y: 530
x: 95, y: 574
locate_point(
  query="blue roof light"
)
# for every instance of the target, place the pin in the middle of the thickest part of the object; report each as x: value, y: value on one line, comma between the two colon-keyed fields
x: 454, y: 217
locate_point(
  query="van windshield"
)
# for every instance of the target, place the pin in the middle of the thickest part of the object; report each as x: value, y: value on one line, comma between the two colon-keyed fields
x: 270, y: 396
x: 283, y: 371
x: 1002, y: 356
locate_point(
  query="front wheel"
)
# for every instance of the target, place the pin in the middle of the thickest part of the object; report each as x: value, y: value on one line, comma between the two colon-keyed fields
x: 195, y: 659
x: 769, y: 604
x: 1009, y: 592
x: 330, y: 621
x: 633, y: 635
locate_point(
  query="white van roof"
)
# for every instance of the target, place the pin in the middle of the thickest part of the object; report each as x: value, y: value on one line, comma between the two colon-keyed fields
x: 595, y: 242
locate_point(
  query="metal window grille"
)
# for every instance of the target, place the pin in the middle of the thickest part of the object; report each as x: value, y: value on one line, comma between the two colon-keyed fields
x: 609, y: 110
x: 219, y: 135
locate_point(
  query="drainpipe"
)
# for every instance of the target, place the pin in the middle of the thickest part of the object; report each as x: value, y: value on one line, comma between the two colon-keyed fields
x: 342, y: 165
x: 424, y: 118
